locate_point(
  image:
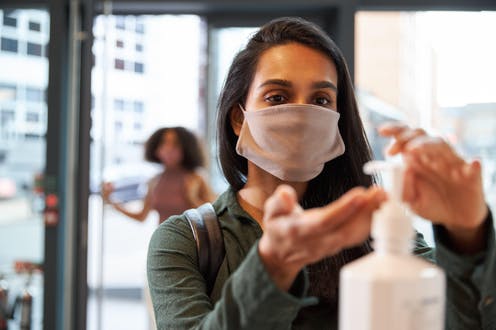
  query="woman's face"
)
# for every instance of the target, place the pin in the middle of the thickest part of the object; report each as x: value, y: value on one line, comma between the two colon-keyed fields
x: 293, y: 73
x: 169, y: 150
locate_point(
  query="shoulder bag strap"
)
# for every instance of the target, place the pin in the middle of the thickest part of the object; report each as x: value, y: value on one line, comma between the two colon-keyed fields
x: 209, y: 241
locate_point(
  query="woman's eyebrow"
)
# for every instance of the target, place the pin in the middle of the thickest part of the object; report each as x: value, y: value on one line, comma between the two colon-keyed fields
x: 324, y: 84
x: 287, y: 83
x: 280, y: 82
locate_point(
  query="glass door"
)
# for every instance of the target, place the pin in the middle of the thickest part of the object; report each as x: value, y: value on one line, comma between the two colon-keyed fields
x: 24, y: 36
x: 148, y: 74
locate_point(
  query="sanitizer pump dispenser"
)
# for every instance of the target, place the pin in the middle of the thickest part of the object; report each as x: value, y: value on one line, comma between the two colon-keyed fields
x: 390, y: 289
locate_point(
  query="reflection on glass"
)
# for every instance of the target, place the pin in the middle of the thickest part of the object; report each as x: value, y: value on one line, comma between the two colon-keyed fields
x: 429, y: 70
x: 23, y: 122
x: 148, y: 74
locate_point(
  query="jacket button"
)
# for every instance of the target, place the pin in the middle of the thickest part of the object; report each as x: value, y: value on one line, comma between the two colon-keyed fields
x: 488, y: 300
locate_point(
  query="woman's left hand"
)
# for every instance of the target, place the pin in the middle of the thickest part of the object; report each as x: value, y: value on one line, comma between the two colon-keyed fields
x: 439, y: 185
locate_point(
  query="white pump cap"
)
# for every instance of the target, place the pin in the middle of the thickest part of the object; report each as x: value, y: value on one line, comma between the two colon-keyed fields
x: 391, y: 226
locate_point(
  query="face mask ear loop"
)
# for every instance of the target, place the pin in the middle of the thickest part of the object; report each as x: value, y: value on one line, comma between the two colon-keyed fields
x: 243, y: 111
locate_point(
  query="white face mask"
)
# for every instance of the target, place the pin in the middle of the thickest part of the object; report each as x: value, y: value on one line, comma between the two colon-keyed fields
x: 291, y: 141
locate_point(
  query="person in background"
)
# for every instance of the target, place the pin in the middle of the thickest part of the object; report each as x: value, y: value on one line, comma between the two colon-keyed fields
x: 179, y: 186
x: 299, y: 207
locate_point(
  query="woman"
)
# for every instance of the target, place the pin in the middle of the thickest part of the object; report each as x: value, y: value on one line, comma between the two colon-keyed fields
x: 292, y: 147
x: 179, y: 187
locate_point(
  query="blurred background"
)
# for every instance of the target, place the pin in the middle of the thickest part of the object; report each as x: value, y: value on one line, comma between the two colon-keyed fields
x: 84, y: 83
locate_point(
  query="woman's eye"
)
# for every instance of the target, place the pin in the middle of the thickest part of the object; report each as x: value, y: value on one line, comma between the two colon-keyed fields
x: 322, y: 101
x: 275, y: 99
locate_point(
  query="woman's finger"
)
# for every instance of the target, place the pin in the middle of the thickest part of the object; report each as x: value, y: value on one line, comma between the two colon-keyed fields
x: 434, y: 147
x: 283, y: 201
x: 343, y: 210
x: 391, y: 129
x: 403, y: 138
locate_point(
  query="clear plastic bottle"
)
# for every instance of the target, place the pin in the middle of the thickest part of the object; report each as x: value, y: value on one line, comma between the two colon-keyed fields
x: 391, y: 289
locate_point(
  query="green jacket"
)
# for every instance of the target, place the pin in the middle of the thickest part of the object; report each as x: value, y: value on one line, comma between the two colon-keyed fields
x: 244, y: 296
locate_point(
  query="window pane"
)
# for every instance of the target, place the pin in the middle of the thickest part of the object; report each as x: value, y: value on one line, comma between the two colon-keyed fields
x: 120, y: 22
x: 34, y: 26
x: 138, y: 106
x: 119, y: 64
x: 34, y: 94
x: 34, y: 49
x: 119, y: 44
x: 410, y: 66
x: 23, y: 80
x: 32, y: 117
x: 8, y: 92
x: 9, y: 45
x: 225, y: 43
x: 138, y: 67
x: 119, y: 104
x: 140, y: 28
x: 136, y: 103
x: 9, y: 20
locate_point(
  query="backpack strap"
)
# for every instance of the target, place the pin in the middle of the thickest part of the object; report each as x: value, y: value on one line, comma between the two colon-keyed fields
x: 209, y: 241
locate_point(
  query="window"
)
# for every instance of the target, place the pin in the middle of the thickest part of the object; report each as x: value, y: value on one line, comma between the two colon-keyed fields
x: 137, y: 126
x: 138, y: 67
x: 9, y: 45
x: 34, y: 49
x: 32, y: 117
x: 9, y: 20
x: 119, y: 64
x: 119, y: 104
x: 138, y: 106
x: 119, y: 44
x: 408, y: 69
x: 118, y: 126
x: 34, y: 26
x: 140, y: 28
x: 120, y: 22
x: 6, y: 116
x: 139, y: 48
x: 8, y: 92
x: 34, y: 94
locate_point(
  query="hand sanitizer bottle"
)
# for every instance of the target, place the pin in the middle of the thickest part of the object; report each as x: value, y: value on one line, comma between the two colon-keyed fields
x: 390, y: 289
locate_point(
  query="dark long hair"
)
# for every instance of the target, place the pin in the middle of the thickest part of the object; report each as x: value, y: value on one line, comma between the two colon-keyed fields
x: 339, y: 175
x: 193, y: 156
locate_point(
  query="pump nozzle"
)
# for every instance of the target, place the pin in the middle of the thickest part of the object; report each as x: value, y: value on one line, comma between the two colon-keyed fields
x: 392, y: 174
x: 391, y: 222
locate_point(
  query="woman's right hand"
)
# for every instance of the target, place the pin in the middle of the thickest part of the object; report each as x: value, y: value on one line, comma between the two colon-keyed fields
x: 107, y: 189
x: 294, y: 238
